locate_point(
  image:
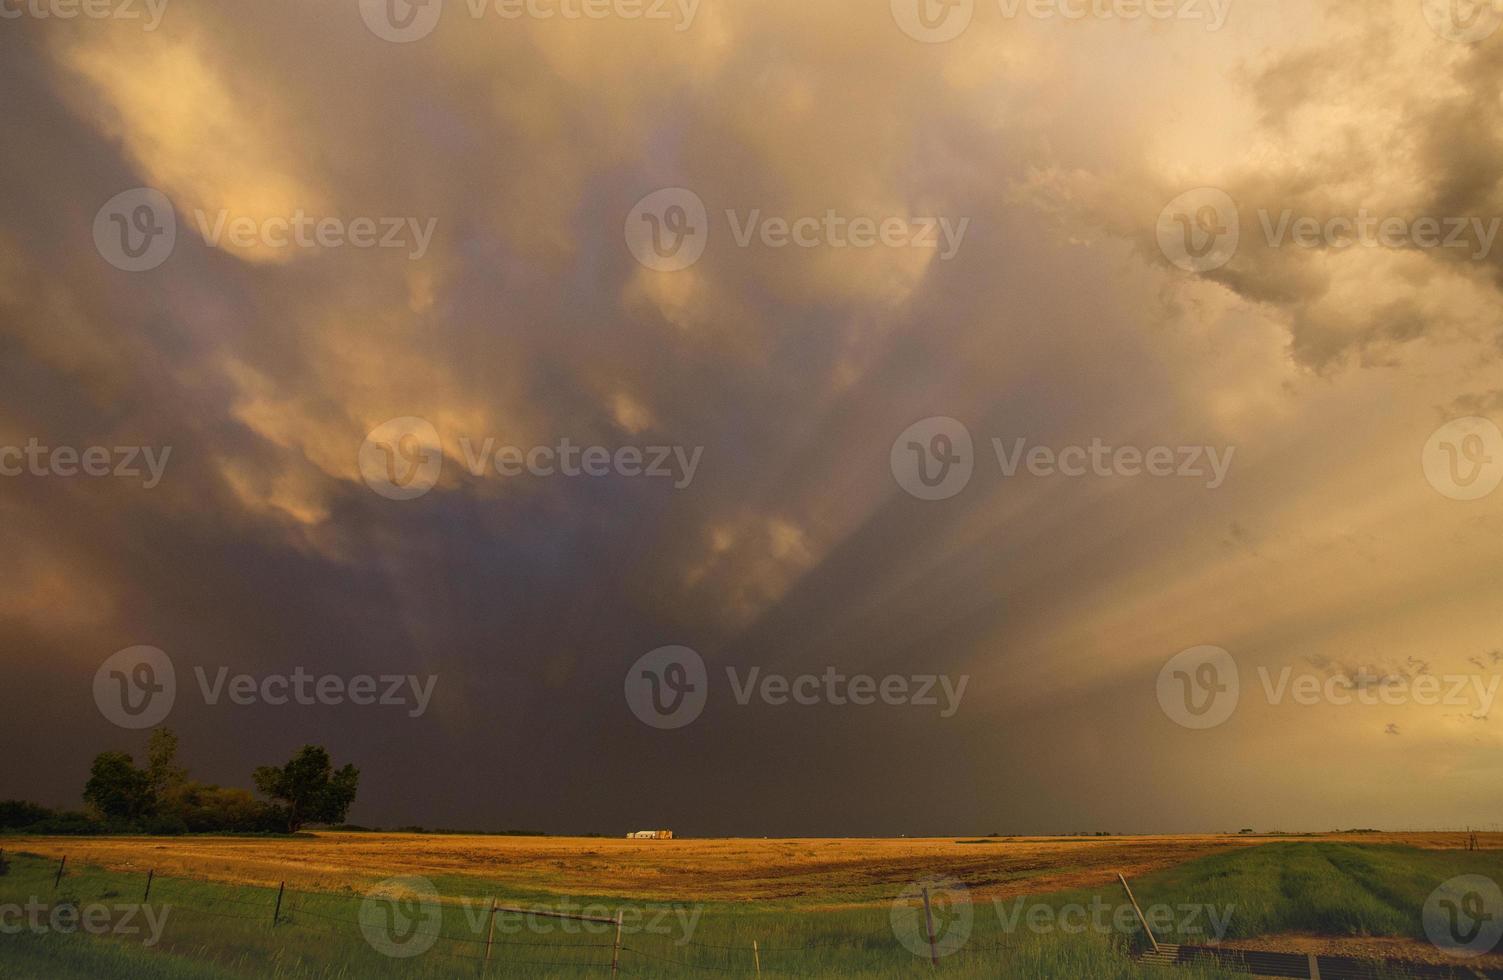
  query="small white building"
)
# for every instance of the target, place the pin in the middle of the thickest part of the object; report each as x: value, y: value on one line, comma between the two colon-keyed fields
x: 650, y: 835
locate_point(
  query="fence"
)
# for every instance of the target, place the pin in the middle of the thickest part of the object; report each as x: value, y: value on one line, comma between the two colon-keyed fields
x: 278, y: 907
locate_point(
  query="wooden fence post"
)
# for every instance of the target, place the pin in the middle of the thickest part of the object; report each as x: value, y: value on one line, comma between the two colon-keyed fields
x: 757, y: 957
x: 490, y: 934
x: 276, y: 913
x: 616, y: 950
x: 929, y: 930
x: 1154, y: 942
x: 149, y: 875
x: 59, y: 876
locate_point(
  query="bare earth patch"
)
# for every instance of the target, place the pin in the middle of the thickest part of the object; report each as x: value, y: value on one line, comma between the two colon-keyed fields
x: 1363, y: 947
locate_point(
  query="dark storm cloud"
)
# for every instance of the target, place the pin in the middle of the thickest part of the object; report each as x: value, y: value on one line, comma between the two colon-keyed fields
x: 793, y: 549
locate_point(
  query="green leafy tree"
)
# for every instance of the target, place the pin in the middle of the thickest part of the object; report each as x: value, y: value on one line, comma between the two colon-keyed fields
x: 117, y: 789
x: 19, y: 813
x: 204, y: 807
x: 307, y: 789
x: 161, y: 763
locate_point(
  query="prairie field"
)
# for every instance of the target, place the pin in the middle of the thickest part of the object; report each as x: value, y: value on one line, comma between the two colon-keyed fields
x: 301, y: 907
x: 837, y: 871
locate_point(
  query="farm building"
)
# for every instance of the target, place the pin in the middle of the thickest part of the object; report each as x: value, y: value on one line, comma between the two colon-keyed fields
x: 650, y: 835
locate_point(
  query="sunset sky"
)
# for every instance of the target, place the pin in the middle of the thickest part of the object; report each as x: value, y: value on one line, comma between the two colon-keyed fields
x: 511, y: 155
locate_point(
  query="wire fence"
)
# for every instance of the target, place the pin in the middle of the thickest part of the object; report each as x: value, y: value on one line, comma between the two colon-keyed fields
x: 263, y: 905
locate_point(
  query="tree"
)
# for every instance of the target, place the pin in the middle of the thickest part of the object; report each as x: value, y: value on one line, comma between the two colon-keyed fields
x: 117, y: 789
x: 161, y: 762
x: 19, y: 813
x: 308, y: 789
x: 204, y: 807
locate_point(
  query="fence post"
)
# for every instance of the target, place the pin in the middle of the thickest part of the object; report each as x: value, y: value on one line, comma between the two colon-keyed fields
x: 149, y: 875
x: 59, y: 876
x: 1152, y: 941
x: 929, y: 930
x: 757, y: 957
x: 490, y: 934
x: 616, y: 950
x: 276, y: 913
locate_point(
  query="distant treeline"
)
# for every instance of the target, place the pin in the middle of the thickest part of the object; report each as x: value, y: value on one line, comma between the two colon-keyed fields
x: 159, y: 798
x: 416, y: 829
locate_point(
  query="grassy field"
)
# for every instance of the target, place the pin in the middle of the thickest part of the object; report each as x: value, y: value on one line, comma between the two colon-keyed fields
x: 813, y: 907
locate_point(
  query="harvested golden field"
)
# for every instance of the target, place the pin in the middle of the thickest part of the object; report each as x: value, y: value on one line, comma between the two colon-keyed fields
x: 803, y: 871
